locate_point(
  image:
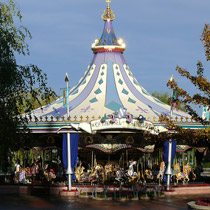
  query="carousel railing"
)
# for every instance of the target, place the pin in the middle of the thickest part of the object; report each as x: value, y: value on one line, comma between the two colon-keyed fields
x: 113, y: 192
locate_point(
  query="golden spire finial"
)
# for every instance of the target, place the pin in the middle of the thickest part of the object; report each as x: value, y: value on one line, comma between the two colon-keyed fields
x: 108, y: 1
x: 108, y: 13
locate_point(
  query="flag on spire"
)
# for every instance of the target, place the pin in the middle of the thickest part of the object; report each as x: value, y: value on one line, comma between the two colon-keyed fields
x: 175, y: 98
x: 65, y: 97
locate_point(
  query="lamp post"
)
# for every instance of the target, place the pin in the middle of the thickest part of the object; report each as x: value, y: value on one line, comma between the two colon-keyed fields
x: 69, y: 171
x: 169, y: 170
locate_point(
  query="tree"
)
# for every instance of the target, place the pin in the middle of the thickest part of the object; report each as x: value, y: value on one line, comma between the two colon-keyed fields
x: 16, y: 80
x: 162, y: 96
x: 34, y: 102
x: 165, y: 97
x: 202, y: 98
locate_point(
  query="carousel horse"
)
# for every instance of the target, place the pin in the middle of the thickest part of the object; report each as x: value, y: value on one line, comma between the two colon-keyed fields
x: 97, y: 174
x: 187, y: 169
x: 132, y: 175
x: 81, y: 176
x: 120, y: 176
x: 161, y: 171
x: 148, y: 175
x: 176, y: 173
x: 127, y: 177
x: 131, y: 171
x: 109, y: 171
x: 180, y: 176
x: 49, y: 173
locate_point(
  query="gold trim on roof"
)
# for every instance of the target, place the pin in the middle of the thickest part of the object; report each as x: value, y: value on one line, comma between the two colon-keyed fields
x: 90, y: 118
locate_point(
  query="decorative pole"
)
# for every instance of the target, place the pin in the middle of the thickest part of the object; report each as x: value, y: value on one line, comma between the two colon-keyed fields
x: 171, y: 111
x: 69, y: 171
x: 168, y: 170
x: 108, y: 2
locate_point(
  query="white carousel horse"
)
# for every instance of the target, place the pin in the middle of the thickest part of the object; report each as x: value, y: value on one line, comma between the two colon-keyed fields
x: 131, y: 171
x: 120, y: 176
x: 129, y: 176
x: 132, y: 175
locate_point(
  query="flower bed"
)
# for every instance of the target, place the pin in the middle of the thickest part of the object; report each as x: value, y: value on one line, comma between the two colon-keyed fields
x: 203, y: 202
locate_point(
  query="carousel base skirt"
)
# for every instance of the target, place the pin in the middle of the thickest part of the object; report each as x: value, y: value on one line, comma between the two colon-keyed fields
x: 188, y: 189
x: 70, y: 193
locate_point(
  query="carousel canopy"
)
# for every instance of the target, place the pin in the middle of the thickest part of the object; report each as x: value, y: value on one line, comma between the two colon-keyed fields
x: 108, y: 88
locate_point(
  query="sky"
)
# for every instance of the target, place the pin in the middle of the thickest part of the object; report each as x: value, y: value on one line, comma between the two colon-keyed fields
x: 159, y: 35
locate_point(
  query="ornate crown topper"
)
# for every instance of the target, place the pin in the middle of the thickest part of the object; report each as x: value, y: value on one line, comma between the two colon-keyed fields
x: 108, y: 13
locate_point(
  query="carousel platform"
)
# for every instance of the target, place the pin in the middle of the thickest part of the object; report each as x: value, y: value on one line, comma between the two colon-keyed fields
x: 77, y: 190
x: 188, y: 189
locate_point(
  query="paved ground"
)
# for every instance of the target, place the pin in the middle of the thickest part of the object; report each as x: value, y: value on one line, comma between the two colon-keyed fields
x: 55, y: 202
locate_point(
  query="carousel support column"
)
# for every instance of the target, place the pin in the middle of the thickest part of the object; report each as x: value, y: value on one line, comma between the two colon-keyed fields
x: 95, y: 161
x: 108, y: 158
x: 32, y: 156
x: 92, y: 159
x: 120, y: 160
x: 142, y: 165
x: 151, y: 161
x: 183, y: 159
x: 43, y: 159
x: 195, y: 161
x: 51, y: 156
x: 168, y: 170
x: 138, y: 166
x: 123, y: 154
x: 127, y: 158
x: 69, y: 171
x: 192, y: 155
x: 159, y: 156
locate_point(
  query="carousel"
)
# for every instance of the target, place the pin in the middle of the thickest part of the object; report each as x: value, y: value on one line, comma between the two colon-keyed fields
x: 113, y: 123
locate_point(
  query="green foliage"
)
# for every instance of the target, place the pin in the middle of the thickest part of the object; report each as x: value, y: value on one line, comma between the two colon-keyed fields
x: 205, y: 165
x: 15, y: 35
x: 205, y: 38
x: 16, y: 81
x: 201, y: 98
x: 162, y: 96
x: 199, y: 81
x: 30, y: 102
x: 165, y: 97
